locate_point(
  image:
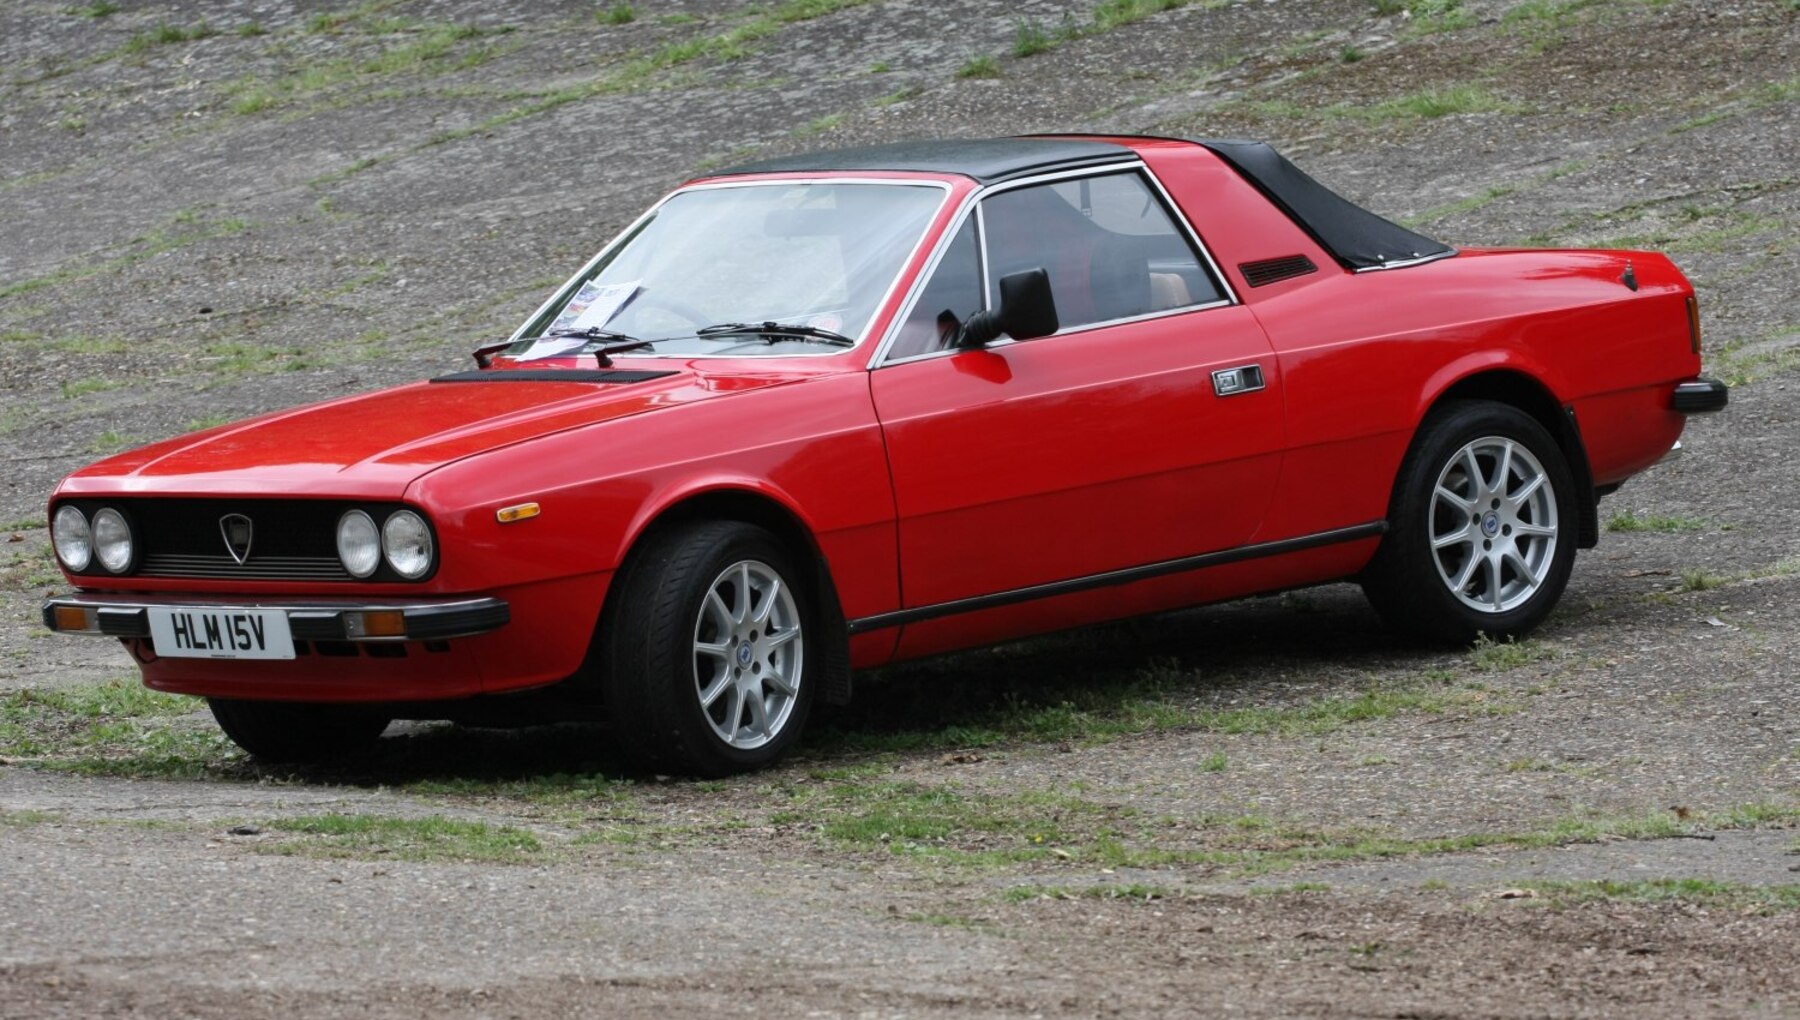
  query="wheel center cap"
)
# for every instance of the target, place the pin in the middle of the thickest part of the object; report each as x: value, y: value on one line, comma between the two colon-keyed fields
x: 744, y: 654
x: 1490, y: 524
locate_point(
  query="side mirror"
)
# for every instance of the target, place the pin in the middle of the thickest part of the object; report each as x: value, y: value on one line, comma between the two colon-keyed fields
x: 1027, y: 311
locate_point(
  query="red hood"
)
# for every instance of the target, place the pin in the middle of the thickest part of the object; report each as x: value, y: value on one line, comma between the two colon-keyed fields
x: 373, y: 445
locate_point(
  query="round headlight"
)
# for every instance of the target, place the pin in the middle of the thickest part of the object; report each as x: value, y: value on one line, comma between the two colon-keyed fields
x: 112, y: 540
x: 74, y: 542
x: 359, y: 544
x: 406, y: 542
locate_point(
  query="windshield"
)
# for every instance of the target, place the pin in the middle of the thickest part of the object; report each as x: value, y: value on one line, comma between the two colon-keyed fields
x: 818, y: 255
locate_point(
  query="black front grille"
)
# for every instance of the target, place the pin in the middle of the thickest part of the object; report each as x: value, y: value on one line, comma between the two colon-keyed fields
x: 272, y: 568
x: 291, y: 539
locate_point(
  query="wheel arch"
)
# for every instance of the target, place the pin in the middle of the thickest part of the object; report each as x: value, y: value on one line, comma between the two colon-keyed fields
x: 764, y: 509
x: 1528, y: 393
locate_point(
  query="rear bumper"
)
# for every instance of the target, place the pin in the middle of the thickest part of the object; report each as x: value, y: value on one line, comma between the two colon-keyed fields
x: 359, y: 620
x: 1700, y: 396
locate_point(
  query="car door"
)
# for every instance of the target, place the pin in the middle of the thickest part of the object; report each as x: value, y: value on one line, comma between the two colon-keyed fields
x: 1103, y: 447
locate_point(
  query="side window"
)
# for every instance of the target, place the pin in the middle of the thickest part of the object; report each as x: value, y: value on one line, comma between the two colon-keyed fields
x: 1111, y: 248
x: 952, y: 295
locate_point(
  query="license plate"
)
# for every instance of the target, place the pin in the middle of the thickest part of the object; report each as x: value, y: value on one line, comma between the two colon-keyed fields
x: 198, y: 632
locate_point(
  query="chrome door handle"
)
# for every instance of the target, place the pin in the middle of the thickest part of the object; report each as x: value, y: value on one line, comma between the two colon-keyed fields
x: 1229, y: 382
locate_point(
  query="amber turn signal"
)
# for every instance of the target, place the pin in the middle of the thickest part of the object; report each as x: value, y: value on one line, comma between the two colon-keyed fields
x: 1693, y: 304
x: 375, y: 623
x: 520, y: 512
x: 75, y: 618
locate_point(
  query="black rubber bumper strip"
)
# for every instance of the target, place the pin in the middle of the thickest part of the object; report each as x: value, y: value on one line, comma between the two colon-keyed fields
x: 1702, y: 396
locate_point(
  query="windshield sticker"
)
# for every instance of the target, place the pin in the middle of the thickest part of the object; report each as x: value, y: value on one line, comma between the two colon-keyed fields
x: 592, y: 308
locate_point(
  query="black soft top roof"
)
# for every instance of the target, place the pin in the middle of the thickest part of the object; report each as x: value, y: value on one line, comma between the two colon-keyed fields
x: 1354, y: 236
x: 985, y: 159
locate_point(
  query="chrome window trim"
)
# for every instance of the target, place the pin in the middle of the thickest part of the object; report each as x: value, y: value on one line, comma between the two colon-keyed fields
x: 1406, y: 263
x: 972, y: 206
x: 572, y: 283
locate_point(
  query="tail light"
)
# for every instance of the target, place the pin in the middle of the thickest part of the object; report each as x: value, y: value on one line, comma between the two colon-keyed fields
x: 1693, y: 304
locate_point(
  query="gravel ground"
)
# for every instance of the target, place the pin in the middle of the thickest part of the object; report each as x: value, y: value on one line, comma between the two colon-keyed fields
x: 203, y: 224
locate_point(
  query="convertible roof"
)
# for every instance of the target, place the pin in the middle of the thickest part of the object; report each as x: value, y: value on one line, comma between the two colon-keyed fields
x: 986, y: 159
x: 1354, y: 236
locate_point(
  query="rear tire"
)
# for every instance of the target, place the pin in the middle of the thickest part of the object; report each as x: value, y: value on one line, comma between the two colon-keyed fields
x: 1481, y: 528
x: 711, y: 651
x: 296, y: 733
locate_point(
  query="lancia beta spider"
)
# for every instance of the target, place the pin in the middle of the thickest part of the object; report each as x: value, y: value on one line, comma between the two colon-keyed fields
x: 821, y: 413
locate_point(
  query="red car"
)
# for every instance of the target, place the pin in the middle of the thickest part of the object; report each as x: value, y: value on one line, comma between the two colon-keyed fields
x: 835, y: 410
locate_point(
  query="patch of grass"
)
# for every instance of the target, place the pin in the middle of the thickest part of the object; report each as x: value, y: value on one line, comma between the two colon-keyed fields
x: 251, y: 29
x: 1631, y: 520
x: 166, y: 34
x: 1351, y: 54
x: 1136, y: 891
x: 820, y: 125
x: 210, y: 421
x: 73, y: 388
x: 1214, y: 762
x: 1434, y: 103
x: 99, y: 9
x: 1111, y: 14
x: 432, y: 49
x: 1741, y: 362
x: 23, y: 524
x: 24, y: 818
x: 900, y: 95
x: 1490, y: 656
x: 1288, y: 890
x: 979, y: 67
x: 116, y: 728
x: 617, y: 14
x: 414, y: 839
x: 181, y: 229
x: 1759, y: 899
x: 1700, y: 579
x: 111, y: 441
x: 1031, y: 38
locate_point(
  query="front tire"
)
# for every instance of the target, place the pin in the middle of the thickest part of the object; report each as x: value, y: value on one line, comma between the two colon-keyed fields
x: 1482, y: 525
x: 293, y: 733
x: 708, y: 664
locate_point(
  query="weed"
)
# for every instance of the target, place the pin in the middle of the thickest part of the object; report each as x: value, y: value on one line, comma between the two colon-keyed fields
x: 1490, y: 656
x: 1214, y: 762
x: 820, y: 125
x: 1030, y: 38
x: 617, y: 14
x: 1285, y: 890
x: 1761, y: 899
x: 880, y: 67
x: 1700, y: 579
x: 74, y: 388
x: 417, y: 839
x: 1630, y: 520
x: 1351, y: 54
x: 29, y: 817
x: 211, y: 421
x: 1137, y: 892
x: 979, y: 67
x: 1111, y: 14
x: 251, y: 29
x: 116, y: 728
x: 99, y: 9
x: 900, y: 95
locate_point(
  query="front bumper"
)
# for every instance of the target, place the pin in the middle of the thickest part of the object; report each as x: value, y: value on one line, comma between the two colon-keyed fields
x: 373, y: 620
x: 1701, y: 396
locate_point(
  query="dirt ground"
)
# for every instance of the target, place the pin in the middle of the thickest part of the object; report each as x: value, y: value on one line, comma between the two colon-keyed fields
x: 1269, y: 808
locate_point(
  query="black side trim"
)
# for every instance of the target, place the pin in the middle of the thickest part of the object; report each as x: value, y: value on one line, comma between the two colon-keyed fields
x: 577, y: 375
x: 1266, y: 271
x: 1128, y: 575
x: 1702, y: 396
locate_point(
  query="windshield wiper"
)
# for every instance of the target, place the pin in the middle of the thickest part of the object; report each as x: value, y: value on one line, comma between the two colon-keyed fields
x: 615, y: 343
x: 775, y: 332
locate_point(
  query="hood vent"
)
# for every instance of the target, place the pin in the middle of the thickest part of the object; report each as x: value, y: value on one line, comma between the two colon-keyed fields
x: 574, y: 375
x: 1267, y: 271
